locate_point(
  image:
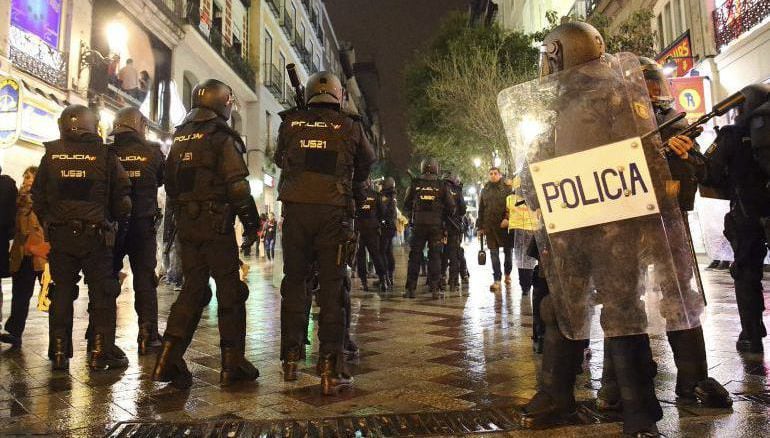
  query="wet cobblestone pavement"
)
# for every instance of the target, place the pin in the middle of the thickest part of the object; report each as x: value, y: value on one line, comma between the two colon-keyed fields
x: 464, y: 355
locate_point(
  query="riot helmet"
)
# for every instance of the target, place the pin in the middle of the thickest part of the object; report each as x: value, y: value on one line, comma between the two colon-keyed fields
x: 657, y: 83
x: 756, y: 95
x: 454, y: 179
x: 388, y: 183
x: 568, y: 45
x: 130, y: 119
x: 78, y: 120
x: 429, y: 165
x: 214, y: 95
x: 324, y: 87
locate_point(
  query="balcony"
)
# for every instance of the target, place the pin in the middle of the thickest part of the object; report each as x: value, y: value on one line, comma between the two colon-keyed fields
x: 736, y: 18
x: 31, y: 54
x: 274, y: 80
x: 287, y: 25
x: 275, y: 6
x: 299, y: 44
x: 307, y: 61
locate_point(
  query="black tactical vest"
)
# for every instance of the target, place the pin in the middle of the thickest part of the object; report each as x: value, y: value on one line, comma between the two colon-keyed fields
x: 389, y: 210
x: 319, y: 149
x: 193, y: 167
x: 428, y: 203
x: 142, y: 162
x: 366, y: 210
x: 77, y: 180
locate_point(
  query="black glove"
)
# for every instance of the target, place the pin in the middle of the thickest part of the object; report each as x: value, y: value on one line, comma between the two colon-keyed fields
x: 249, y: 216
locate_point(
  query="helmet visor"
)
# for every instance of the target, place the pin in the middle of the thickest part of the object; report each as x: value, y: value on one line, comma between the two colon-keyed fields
x: 657, y: 85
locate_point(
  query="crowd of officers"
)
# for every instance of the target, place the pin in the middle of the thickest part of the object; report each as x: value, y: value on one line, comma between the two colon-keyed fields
x: 97, y: 204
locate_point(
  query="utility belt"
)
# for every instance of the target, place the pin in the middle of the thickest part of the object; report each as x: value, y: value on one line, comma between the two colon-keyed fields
x: 220, y: 212
x: 104, y: 230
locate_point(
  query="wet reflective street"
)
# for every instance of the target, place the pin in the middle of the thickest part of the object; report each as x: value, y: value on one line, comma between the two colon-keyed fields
x: 461, y: 353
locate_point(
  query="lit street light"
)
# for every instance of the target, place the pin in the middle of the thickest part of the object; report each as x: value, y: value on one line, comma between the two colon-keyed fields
x: 477, y: 162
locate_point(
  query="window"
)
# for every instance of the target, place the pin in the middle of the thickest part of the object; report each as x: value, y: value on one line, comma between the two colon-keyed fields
x: 677, y: 18
x: 268, y: 48
x: 661, y: 30
x: 293, y: 13
x: 667, y: 20
x: 187, y: 87
x: 282, y: 70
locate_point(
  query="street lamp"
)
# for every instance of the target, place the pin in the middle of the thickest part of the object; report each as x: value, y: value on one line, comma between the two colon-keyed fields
x: 477, y: 162
x: 117, y: 37
x: 670, y: 66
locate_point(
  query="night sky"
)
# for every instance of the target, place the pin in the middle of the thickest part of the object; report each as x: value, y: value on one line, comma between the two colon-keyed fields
x: 388, y: 32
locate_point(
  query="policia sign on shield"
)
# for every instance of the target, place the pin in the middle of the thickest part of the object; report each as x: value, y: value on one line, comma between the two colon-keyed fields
x: 612, y: 243
x: 604, y: 184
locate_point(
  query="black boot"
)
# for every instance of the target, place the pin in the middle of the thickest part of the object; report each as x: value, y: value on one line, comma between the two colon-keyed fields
x: 235, y: 367
x: 290, y: 366
x: 61, y: 361
x: 104, y: 356
x: 148, y: 338
x: 170, y: 367
x: 383, y: 284
x: 332, y: 379
x: 351, y: 349
x: 409, y: 293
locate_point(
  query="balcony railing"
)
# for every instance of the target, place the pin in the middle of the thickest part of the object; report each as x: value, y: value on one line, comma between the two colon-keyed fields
x: 299, y: 44
x: 275, y: 6
x: 287, y: 25
x: 736, y: 18
x: 31, y: 54
x: 274, y: 80
x: 306, y: 60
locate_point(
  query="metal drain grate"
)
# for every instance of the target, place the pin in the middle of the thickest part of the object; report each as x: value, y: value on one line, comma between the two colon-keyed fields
x: 390, y: 425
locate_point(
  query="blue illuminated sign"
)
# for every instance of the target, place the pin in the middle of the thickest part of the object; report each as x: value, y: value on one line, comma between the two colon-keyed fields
x: 38, y: 17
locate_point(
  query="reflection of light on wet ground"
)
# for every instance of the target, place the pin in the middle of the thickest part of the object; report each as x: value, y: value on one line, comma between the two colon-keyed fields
x: 460, y: 352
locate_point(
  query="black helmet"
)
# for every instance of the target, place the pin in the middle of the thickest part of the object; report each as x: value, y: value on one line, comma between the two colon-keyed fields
x: 78, y: 120
x: 324, y: 87
x: 214, y: 95
x: 388, y: 183
x: 429, y: 165
x: 756, y: 95
x: 454, y: 179
x: 657, y: 83
x: 130, y: 119
x: 568, y: 45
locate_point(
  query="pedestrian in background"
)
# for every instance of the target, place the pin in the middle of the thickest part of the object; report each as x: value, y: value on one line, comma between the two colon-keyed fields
x: 490, y: 225
x: 8, y: 194
x: 28, y: 257
x: 270, y: 231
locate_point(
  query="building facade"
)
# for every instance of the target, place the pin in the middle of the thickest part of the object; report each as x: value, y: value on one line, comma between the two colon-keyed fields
x: 40, y: 73
x: 529, y: 16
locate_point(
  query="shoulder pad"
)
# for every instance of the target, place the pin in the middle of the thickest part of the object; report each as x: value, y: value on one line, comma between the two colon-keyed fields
x: 286, y: 113
x: 353, y: 116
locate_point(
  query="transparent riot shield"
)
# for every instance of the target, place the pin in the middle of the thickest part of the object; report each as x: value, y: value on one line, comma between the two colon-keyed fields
x: 612, y: 240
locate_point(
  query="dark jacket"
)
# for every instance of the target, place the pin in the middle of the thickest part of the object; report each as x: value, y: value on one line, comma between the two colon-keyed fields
x: 8, y: 194
x: 144, y: 163
x: 428, y: 201
x: 323, y: 153
x: 492, y: 205
x: 80, y: 180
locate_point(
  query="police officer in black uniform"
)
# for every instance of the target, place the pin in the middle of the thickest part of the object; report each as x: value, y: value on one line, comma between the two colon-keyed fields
x: 369, y: 217
x: 428, y: 201
x: 688, y: 345
x: 207, y: 187
x: 325, y: 159
x: 388, y: 229
x: 452, y: 254
x: 570, y: 46
x: 80, y: 191
x: 144, y: 163
x: 737, y: 165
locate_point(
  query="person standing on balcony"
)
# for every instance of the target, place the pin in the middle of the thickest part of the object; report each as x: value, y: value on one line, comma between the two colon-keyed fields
x: 129, y: 79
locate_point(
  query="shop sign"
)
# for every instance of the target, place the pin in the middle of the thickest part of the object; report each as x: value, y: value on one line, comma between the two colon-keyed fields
x: 689, y: 96
x: 38, y: 17
x: 10, y: 95
x: 680, y: 51
x: 38, y: 124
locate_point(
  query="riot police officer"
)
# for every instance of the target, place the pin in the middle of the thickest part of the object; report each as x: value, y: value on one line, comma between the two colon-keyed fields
x: 369, y: 217
x: 571, y: 262
x: 428, y: 201
x: 737, y: 165
x: 207, y: 187
x: 688, y: 345
x: 388, y: 229
x: 325, y: 159
x: 144, y: 163
x: 452, y: 254
x: 80, y: 191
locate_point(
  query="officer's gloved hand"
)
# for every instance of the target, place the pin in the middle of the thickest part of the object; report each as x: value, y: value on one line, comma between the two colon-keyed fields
x: 250, y: 237
x: 680, y: 145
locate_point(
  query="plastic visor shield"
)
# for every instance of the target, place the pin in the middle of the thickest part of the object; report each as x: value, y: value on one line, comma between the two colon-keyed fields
x: 612, y: 239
